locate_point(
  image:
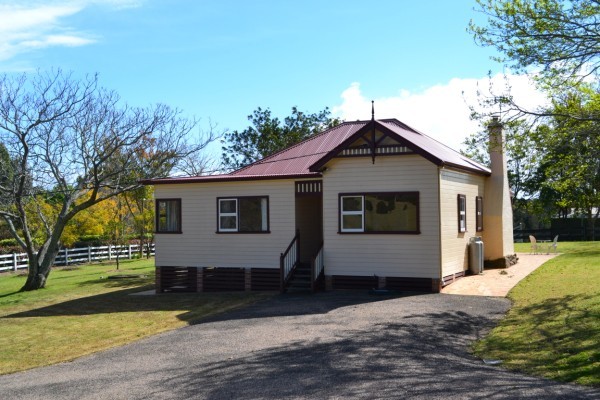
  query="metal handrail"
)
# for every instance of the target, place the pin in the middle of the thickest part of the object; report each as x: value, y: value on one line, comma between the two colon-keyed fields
x: 316, y: 267
x: 289, y: 260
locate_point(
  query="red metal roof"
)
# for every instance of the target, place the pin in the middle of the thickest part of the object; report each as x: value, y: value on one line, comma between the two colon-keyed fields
x: 298, y: 158
x: 445, y: 154
x: 303, y: 159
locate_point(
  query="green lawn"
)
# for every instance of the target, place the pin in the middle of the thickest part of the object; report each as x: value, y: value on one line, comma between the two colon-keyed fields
x: 81, y: 312
x: 553, y: 328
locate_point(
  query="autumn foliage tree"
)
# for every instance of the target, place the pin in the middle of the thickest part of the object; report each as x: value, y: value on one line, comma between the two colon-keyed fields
x: 74, y: 140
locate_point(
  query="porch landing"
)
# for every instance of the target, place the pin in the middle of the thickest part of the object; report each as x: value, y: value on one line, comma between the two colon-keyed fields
x: 494, y: 283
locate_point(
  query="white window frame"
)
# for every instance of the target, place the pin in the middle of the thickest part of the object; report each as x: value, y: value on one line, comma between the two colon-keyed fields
x: 462, y: 213
x: 361, y: 213
x: 479, y: 214
x: 229, y: 214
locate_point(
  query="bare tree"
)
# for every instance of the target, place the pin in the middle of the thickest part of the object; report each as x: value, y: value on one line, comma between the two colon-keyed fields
x: 75, y: 140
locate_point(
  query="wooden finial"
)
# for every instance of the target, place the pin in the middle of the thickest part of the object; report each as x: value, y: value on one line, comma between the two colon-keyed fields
x: 372, y: 110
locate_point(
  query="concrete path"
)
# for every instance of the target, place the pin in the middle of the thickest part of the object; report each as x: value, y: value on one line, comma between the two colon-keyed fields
x: 336, y: 345
x: 498, y: 282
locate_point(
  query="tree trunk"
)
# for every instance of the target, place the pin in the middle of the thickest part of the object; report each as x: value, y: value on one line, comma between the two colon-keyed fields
x: 39, y: 269
x: 41, y: 262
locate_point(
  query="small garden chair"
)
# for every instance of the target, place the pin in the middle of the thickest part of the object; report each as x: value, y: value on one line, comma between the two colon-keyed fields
x: 553, y: 245
x: 534, y: 245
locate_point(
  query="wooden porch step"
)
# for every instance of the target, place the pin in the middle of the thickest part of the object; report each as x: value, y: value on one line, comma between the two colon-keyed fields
x: 300, y: 280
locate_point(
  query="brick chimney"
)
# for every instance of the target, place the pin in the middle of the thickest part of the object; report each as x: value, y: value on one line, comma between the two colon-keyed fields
x: 497, y: 209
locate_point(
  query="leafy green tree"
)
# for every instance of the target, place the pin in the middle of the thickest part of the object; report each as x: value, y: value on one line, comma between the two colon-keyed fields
x: 554, y: 168
x: 268, y: 135
x: 523, y: 162
x: 522, y: 156
x: 559, y: 36
x: 571, y: 148
x: 556, y: 39
x: 74, y: 138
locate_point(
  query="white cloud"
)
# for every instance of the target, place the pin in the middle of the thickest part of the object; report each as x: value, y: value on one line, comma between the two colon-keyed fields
x: 30, y: 25
x: 57, y: 40
x: 441, y: 111
x: 118, y: 4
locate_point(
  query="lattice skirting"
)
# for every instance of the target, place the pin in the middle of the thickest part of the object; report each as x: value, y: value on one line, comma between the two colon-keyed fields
x: 212, y: 279
x: 335, y: 282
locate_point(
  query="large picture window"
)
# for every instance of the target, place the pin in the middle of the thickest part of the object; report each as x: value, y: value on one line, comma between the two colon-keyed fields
x: 168, y: 215
x: 379, y: 212
x: 479, y: 213
x: 243, y: 214
x: 462, y: 213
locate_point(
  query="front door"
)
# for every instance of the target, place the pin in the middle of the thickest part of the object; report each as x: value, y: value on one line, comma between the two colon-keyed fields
x: 309, y: 218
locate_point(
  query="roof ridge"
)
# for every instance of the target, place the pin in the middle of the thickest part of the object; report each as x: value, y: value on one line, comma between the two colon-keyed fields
x: 402, y: 124
x: 431, y: 137
x: 262, y: 160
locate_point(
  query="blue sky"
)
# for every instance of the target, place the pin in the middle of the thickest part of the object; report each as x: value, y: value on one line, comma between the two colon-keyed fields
x: 219, y: 60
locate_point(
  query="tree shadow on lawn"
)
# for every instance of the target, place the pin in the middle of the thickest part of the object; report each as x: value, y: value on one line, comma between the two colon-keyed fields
x: 561, y: 332
x: 124, y: 281
x: 419, y: 356
x: 9, y: 294
x: 191, y: 303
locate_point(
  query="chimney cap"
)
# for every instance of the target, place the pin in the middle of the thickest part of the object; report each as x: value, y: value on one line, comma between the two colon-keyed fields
x: 495, y: 120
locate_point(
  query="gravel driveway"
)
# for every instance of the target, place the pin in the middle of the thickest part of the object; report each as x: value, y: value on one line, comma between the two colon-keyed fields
x: 337, y: 345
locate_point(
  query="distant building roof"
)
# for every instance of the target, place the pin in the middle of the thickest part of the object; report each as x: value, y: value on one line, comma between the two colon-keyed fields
x: 305, y: 159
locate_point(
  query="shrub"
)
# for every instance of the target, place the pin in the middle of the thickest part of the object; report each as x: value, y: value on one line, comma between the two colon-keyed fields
x: 10, y: 249
x: 91, y: 240
x: 8, y: 242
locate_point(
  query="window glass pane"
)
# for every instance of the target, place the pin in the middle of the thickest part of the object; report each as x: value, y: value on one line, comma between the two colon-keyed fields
x: 264, y: 211
x: 173, y: 215
x: 251, y: 218
x: 479, y: 213
x: 353, y: 203
x: 162, y: 216
x: 391, y: 212
x: 250, y: 215
x: 462, y: 214
x: 227, y: 222
x: 168, y: 216
x: 227, y: 206
x: 352, y: 222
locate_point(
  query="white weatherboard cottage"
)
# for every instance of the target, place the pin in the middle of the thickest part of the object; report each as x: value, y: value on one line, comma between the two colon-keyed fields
x: 366, y: 204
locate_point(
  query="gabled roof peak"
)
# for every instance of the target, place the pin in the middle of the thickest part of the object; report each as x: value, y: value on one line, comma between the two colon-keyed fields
x: 306, y: 157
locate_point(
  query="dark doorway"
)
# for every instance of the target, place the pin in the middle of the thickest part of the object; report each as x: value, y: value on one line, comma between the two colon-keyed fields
x: 309, y: 222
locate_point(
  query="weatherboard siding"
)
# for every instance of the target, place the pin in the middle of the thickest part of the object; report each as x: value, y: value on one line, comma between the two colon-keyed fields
x: 390, y: 255
x: 455, y: 244
x: 200, y: 246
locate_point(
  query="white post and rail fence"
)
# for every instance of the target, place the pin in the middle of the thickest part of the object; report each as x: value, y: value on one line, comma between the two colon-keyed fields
x: 66, y: 257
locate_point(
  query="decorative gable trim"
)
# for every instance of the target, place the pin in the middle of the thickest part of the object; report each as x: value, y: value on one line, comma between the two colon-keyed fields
x: 381, y: 150
x: 309, y: 188
x: 374, y: 148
